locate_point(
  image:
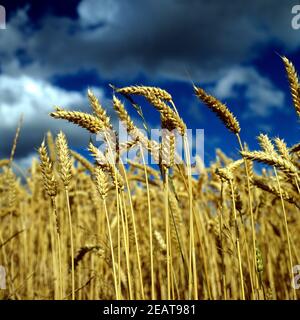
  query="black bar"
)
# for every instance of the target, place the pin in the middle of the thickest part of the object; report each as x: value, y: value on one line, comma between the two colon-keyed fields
x: 146, y: 309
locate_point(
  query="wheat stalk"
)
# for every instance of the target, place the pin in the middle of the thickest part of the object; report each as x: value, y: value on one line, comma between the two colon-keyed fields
x: 102, y: 187
x: 65, y: 173
x: 50, y: 186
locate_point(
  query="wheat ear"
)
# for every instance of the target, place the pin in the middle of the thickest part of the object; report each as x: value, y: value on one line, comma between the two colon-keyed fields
x: 105, y: 165
x: 84, y: 120
x: 134, y: 132
x: 294, y: 83
x: 144, y: 91
x: 270, y: 188
x: 47, y: 171
x: 282, y: 148
x: 266, y: 144
x: 272, y: 160
x: 99, y: 110
x: 219, y: 109
x: 63, y: 158
x: 169, y: 118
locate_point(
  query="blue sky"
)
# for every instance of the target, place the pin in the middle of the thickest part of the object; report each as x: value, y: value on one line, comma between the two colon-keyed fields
x: 52, y: 51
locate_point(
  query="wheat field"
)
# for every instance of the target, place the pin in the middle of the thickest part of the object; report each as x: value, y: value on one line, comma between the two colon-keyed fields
x: 72, y: 228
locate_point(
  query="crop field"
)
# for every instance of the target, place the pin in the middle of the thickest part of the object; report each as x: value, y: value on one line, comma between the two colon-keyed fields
x: 76, y: 228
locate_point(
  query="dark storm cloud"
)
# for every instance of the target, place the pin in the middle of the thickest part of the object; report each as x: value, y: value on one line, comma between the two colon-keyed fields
x: 125, y: 38
x: 160, y: 37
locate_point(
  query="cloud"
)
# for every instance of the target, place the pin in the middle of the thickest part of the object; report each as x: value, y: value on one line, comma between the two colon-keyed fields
x: 157, y: 38
x: 260, y: 95
x: 35, y: 98
x: 95, y: 12
x: 212, y: 40
x: 31, y: 97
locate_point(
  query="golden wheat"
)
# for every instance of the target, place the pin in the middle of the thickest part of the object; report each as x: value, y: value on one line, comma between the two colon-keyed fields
x: 114, y: 230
